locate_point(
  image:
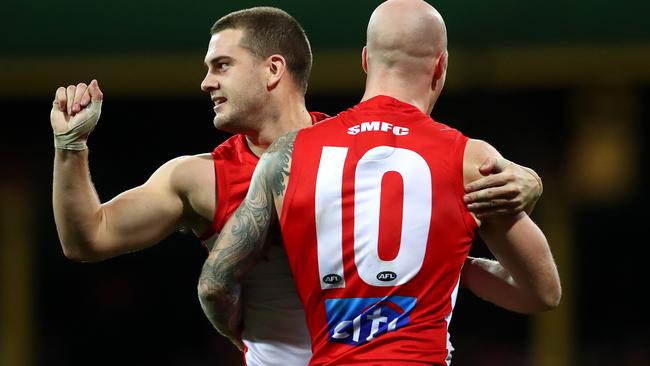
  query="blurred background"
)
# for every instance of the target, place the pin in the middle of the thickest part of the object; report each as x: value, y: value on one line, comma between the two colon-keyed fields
x: 562, y: 87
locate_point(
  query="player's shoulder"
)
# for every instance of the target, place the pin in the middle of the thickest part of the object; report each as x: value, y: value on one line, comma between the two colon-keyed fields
x: 283, y: 145
x: 324, y: 123
x: 183, y: 172
x: 232, y: 144
x: 443, y: 126
x: 476, y: 148
x: 476, y: 152
x: 318, y: 116
x: 188, y: 161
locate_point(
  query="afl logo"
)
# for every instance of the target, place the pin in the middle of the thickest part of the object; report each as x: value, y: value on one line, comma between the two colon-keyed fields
x: 386, y: 276
x: 331, y: 279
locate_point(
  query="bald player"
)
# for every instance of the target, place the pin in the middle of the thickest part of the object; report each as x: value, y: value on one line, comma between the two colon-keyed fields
x: 257, y: 81
x: 370, y: 207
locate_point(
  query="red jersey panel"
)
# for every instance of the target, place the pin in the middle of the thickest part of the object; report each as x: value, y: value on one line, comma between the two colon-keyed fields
x: 275, y: 332
x: 376, y: 233
x: 234, y: 164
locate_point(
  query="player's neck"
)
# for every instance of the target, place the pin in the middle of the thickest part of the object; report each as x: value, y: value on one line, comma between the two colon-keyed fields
x: 291, y: 115
x: 416, y: 93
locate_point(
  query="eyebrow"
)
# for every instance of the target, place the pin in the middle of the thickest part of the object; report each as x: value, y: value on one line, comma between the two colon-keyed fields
x: 217, y: 60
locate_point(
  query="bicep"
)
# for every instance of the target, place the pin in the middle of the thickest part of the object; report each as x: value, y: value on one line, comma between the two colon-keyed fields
x: 521, y: 247
x: 518, y: 244
x: 511, y: 236
x: 142, y: 216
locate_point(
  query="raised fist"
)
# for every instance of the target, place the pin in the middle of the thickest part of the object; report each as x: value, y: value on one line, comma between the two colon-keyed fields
x: 75, y: 112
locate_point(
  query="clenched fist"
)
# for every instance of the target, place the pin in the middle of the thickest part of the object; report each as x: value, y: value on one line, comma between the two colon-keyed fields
x: 75, y: 112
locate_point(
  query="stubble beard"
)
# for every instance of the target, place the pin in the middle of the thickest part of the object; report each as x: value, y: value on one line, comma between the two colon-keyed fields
x: 241, y: 112
x: 228, y: 120
x: 240, y: 118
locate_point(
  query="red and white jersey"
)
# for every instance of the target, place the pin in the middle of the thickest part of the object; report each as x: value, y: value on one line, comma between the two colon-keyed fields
x: 234, y: 164
x: 275, y: 332
x: 376, y: 232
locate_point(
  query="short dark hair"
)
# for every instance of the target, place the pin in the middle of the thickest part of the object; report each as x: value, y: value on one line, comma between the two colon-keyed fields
x: 269, y: 31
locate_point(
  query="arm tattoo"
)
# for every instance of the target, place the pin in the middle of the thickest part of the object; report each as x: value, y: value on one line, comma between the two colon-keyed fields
x: 280, y: 151
x: 242, y: 240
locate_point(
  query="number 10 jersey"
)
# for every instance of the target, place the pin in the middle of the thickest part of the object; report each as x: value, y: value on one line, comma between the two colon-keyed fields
x: 376, y: 233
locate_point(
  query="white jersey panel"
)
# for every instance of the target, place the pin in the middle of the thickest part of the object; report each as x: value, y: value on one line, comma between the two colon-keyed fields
x: 329, y: 229
x: 416, y: 215
x: 275, y: 331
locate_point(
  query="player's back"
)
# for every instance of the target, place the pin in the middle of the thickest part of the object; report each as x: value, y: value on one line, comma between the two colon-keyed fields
x: 376, y: 233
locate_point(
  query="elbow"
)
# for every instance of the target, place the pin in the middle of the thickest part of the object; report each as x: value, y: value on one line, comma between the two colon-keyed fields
x: 205, y: 292
x: 77, y: 253
x: 210, y: 291
x: 71, y: 254
x: 553, y: 293
x: 550, y: 298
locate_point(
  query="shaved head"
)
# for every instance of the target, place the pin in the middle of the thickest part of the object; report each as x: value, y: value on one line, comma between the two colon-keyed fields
x: 400, y: 30
x: 406, y: 52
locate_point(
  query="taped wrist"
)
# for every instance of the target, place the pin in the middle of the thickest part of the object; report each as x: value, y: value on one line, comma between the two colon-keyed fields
x: 76, y: 136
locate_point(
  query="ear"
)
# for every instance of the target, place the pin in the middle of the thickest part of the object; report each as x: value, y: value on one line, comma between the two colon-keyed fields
x: 440, y: 70
x: 277, y: 66
x: 364, y: 59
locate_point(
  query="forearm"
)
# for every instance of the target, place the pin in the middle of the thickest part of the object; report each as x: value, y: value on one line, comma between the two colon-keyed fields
x: 77, y: 209
x: 237, y: 249
x: 220, y: 297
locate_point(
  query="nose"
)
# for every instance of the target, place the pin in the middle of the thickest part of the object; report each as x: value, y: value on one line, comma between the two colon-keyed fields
x: 209, y: 83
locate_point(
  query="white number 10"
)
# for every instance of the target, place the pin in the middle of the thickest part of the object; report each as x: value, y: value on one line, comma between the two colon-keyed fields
x: 416, y: 216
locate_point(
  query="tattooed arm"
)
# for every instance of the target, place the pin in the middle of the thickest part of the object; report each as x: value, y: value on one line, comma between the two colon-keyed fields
x: 242, y: 240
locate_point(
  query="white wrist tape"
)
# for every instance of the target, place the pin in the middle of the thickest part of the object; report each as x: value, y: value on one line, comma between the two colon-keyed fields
x: 81, y: 125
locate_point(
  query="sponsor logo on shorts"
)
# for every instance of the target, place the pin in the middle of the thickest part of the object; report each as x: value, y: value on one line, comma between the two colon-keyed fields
x: 355, y: 321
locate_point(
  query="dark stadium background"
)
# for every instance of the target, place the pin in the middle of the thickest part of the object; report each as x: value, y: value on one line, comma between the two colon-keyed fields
x: 560, y: 87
